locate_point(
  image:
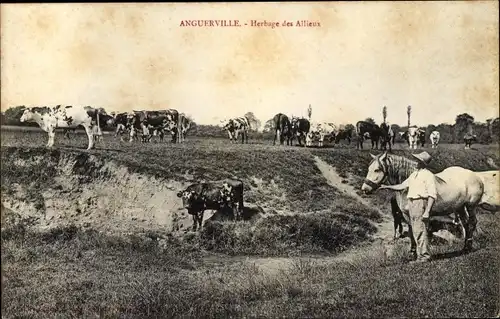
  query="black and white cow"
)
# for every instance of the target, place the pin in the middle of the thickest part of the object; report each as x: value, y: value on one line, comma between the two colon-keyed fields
x: 121, y: 123
x: 50, y: 118
x: 405, y: 137
x: 469, y: 139
x: 217, y: 195
x: 149, y: 121
x: 416, y: 136
x: 434, y: 137
x: 236, y: 126
x: 300, y: 129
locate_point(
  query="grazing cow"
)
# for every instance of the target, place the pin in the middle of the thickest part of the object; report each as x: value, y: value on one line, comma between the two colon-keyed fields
x: 343, y: 134
x: 178, y: 130
x: 434, y: 137
x: 416, y: 136
x: 147, y: 121
x: 50, y: 118
x: 185, y: 126
x: 320, y: 131
x: 217, y: 195
x: 363, y: 127
x: 300, y: 128
x: 235, y: 126
x: 469, y: 139
x: 282, y: 128
x: 386, y: 137
x: 405, y: 137
x: 121, y: 123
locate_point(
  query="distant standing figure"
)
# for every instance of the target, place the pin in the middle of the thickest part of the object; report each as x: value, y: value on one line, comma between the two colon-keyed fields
x: 468, y: 139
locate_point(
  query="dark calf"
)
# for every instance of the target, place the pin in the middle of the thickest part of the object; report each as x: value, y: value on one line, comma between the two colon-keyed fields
x: 218, y: 195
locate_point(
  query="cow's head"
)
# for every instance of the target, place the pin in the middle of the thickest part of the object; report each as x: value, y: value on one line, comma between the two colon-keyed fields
x: 377, y: 173
x: 27, y: 115
x: 169, y: 125
x: 188, y: 197
x: 186, y: 125
x: 226, y: 124
x: 412, y: 131
x: 226, y: 193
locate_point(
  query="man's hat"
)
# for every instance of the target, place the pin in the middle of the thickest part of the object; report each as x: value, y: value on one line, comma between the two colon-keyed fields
x: 423, y: 157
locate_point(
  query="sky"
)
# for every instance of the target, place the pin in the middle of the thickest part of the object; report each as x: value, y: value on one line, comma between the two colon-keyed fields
x: 439, y: 57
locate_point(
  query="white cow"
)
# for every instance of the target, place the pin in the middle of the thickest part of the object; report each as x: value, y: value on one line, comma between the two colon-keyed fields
x: 415, y: 135
x: 435, y: 136
x: 320, y: 131
x: 50, y: 118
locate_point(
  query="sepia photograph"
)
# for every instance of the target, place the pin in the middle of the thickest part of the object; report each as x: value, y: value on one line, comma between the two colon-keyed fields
x: 334, y: 159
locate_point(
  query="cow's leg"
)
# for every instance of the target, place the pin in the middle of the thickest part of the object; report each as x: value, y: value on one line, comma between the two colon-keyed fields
x: 195, y: 221
x: 51, y: 132
x: 275, y: 136
x: 200, y: 219
x: 90, y: 134
x: 132, y: 133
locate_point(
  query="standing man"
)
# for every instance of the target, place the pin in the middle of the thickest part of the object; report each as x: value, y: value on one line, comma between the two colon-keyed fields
x: 422, y: 194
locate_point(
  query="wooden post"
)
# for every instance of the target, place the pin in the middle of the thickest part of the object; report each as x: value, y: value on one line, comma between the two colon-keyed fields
x: 409, y: 114
x: 179, y: 128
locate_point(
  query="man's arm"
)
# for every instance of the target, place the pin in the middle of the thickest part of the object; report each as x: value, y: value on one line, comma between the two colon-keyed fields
x: 430, y: 185
x: 397, y: 187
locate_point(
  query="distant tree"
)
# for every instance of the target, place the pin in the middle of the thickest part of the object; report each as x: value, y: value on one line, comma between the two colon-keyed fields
x: 482, y: 132
x: 370, y: 120
x: 254, y: 121
x: 268, y: 126
x: 396, y: 128
x: 2, y: 118
x: 13, y: 115
x: 495, y: 130
x: 463, y: 124
x: 349, y: 127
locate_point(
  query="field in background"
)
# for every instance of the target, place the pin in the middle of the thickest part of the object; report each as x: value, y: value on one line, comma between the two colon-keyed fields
x: 326, y: 262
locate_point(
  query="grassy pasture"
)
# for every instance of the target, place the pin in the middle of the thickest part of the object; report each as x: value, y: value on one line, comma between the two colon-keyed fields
x: 76, y: 272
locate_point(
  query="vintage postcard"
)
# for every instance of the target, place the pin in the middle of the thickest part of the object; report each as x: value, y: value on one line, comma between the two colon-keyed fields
x: 271, y: 160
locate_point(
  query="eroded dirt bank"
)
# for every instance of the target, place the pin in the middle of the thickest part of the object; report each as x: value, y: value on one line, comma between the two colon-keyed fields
x: 85, y: 189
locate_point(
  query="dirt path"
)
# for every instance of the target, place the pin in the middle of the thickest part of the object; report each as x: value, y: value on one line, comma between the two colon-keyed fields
x: 385, y: 228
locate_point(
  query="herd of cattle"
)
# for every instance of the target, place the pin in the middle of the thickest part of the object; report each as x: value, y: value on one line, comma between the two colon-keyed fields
x: 158, y: 123
x: 303, y: 129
